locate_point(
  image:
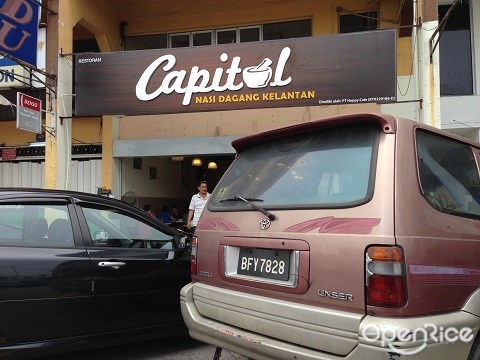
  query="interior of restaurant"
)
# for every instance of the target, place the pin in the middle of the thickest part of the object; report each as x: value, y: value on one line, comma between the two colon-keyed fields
x: 165, y: 182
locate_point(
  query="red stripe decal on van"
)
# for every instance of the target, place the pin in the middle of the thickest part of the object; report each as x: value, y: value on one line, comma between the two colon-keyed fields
x: 216, y: 224
x: 431, y: 274
x: 333, y: 225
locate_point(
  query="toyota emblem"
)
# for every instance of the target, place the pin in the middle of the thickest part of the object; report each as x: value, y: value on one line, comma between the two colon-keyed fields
x: 264, y: 224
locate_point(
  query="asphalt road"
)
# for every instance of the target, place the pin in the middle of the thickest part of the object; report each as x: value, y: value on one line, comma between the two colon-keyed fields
x: 179, y: 348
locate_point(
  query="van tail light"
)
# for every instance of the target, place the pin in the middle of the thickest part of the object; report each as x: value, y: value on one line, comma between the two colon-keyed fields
x: 193, y: 257
x: 385, y: 276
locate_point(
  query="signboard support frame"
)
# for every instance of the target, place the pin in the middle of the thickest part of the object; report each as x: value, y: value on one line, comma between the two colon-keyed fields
x: 25, y: 64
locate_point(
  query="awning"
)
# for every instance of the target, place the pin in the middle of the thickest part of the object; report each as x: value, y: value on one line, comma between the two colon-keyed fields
x: 214, y: 145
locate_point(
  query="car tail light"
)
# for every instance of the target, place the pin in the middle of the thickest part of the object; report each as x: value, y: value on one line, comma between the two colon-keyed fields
x: 386, y: 283
x: 193, y: 257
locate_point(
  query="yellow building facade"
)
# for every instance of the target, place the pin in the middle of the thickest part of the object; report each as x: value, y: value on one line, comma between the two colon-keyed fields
x: 157, y: 139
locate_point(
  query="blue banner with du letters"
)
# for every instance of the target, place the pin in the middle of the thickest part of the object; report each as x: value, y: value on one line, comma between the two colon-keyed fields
x: 18, y: 29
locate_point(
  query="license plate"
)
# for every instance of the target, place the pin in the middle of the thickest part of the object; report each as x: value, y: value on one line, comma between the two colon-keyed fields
x: 264, y: 263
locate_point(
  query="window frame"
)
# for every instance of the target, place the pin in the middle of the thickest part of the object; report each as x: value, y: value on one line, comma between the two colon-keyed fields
x: 368, y: 14
x: 430, y: 194
x: 28, y: 205
x: 201, y: 32
x: 214, y: 34
x: 447, y: 60
x: 170, y: 36
x: 260, y: 33
x: 224, y: 30
x: 150, y: 222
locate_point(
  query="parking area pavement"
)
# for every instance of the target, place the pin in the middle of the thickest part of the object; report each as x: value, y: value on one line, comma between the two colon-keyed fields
x: 179, y: 348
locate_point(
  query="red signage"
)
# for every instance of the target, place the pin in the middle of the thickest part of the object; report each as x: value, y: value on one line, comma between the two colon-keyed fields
x: 29, y: 113
x: 30, y: 102
x: 9, y: 154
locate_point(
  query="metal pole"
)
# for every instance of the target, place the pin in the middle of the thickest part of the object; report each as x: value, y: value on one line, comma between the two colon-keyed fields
x: 218, y: 353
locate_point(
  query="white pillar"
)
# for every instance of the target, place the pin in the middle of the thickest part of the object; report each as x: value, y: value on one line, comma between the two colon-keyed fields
x: 429, y: 75
x: 63, y: 131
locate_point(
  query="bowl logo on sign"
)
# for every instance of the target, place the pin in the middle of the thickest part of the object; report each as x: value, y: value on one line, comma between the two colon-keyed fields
x: 258, y: 76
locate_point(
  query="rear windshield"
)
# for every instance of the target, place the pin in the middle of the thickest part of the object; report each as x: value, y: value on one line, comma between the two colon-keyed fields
x: 325, y: 168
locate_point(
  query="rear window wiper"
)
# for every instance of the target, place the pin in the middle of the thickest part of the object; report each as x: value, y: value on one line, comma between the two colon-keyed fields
x: 249, y: 200
x: 236, y: 198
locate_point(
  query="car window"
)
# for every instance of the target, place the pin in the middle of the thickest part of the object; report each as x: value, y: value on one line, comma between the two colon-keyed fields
x: 448, y: 175
x: 35, y: 225
x: 326, y: 168
x: 111, y: 228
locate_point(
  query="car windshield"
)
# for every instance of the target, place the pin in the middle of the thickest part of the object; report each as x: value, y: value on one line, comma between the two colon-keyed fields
x: 329, y: 168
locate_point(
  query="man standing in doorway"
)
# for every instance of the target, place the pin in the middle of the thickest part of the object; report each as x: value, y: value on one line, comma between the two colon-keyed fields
x: 197, y: 204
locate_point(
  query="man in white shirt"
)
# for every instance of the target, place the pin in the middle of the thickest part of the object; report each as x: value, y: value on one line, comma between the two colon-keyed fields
x: 197, y: 204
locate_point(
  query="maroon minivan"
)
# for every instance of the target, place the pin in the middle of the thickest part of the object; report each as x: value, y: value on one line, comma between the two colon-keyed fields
x: 353, y: 237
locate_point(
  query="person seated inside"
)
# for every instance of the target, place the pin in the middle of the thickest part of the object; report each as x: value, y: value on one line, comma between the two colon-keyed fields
x: 148, y: 209
x: 164, y: 215
x: 175, y: 214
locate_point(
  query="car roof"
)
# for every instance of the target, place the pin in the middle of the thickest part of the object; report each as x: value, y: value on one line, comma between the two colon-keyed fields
x: 388, y: 124
x: 16, y: 192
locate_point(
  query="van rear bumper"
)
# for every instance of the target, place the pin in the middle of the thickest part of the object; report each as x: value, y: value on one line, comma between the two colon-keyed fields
x: 367, y: 344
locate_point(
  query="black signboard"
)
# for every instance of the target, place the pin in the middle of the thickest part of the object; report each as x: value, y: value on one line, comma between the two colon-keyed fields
x: 320, y: 70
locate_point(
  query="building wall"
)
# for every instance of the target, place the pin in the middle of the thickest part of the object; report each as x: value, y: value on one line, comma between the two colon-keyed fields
x: 144, y: 17
x: 11, y: 136
x: 85, y: 130
x: 100, y: 18
x: 193, y: 16
x: 218, y: 14
x: 165, y: 190
x: 228, y: 123
x: 461, y: 114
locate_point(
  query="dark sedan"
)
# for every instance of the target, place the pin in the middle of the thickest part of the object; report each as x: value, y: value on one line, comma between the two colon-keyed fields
x: 80, y: 270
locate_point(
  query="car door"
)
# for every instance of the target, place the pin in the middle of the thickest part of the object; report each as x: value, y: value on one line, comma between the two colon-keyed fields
x: 138, y: 269
x: 44, y: 270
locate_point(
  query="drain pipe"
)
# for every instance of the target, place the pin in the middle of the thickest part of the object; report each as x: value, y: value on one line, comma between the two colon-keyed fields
x: 415, y: 60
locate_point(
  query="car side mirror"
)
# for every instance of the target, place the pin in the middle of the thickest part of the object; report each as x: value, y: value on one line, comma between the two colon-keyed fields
x: 183, y: 242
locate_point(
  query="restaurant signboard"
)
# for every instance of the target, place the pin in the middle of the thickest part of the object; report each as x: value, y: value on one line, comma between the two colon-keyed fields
x: 319, y: 70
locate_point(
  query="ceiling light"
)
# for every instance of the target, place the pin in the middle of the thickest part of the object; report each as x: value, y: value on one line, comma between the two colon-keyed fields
x: 212, y: 165
x: 177, y: 158
x: 197, y: 162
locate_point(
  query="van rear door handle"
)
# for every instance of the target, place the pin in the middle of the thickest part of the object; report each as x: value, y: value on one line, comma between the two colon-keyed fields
x: 113, y: 264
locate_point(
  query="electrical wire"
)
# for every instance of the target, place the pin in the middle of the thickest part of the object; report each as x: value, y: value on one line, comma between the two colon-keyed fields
x: 415, y: 48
